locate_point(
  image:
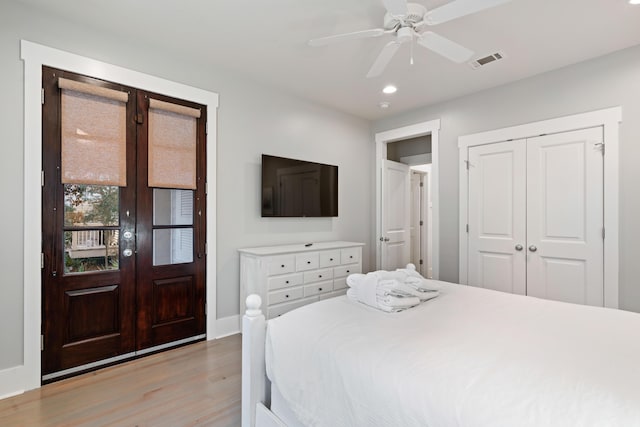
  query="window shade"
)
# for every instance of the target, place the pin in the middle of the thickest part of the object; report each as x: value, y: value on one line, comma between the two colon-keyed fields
x: 172, y: 145
x: 93, y: 134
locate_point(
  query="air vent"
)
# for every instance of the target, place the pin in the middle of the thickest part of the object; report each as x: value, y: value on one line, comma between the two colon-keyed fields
x: 485, y: 60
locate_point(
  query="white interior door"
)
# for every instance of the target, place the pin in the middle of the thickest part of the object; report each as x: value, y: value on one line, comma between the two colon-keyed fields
x: 497, y: 216
x: 565, y: 217
x: 396, y: 200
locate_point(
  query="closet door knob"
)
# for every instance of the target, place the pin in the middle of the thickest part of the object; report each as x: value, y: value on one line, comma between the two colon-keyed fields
x: 532, y: 248
x: 518, y: 247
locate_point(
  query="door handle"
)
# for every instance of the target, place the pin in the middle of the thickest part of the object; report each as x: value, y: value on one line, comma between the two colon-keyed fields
x: 518, y: 247
x: 386, y: 239
x: 532, y: 248
x: 127, y: 252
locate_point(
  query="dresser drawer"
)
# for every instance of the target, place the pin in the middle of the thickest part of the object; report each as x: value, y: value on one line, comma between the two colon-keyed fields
x: 280, y: 309
x: 281, y: 265
x: 329, y: 258
x: 307, y: 261
x: 349, y: 255
x: 318, y: 288
x: 284, y: 281
x: 318, y: 275
x: 285, y: 295
x: 345, y: 270
x: 340, y: 283
x: 333, y: 294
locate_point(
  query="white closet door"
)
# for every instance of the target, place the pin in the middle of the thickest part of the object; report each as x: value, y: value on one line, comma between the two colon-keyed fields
x: 396, y: 200
x: 497, y: 215
x: 565, y: 217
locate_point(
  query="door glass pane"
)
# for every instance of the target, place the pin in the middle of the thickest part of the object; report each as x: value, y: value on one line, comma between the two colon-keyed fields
x: 93, y: 205
x: 90, y: 250
x: 172, y: 207
x: 172, y: 246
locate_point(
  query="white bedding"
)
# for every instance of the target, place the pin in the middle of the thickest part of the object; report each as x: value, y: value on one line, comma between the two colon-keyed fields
x: 470, y: 357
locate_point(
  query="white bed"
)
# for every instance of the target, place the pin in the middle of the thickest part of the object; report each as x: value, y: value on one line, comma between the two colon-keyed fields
x: 471, y: 357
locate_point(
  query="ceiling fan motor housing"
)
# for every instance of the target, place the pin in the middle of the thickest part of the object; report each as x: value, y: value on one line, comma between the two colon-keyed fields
x: 415, y: 14
x: 404, y: 34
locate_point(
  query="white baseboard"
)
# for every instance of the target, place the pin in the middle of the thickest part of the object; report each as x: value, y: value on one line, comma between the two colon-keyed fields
x: 12, y: 381
x: 228, y: 326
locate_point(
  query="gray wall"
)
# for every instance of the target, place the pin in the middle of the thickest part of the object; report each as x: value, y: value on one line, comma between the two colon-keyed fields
x: 604, y: 82
x: 252, y: 119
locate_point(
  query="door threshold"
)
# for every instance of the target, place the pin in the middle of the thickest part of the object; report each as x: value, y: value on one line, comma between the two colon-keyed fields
x: 119, y: 358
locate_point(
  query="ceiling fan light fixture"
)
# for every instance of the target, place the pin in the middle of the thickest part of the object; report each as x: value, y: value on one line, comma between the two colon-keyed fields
x: 389, y: 89
x: 634, y: 1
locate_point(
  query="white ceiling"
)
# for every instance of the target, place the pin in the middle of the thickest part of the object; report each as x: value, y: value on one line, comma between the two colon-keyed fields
x: 266, y: 41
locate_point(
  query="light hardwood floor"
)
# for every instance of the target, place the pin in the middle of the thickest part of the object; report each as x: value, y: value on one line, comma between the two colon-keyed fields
x: 195, y: 385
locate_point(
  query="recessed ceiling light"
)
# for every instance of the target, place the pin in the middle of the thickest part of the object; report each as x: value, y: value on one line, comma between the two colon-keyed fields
x: 389, y: 89
x: 384, y: 104
x: 634, y: 1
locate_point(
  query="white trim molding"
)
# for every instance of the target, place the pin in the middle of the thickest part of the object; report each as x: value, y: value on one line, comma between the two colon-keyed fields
x: 229, y: 325
x: 35, y: 56
x: 609, y: 119
x: 432, y: 128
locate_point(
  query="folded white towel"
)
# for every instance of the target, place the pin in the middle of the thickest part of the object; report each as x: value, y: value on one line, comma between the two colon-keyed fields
x: 354, y: 279
x: 391, y: 290
x: 388, y: 304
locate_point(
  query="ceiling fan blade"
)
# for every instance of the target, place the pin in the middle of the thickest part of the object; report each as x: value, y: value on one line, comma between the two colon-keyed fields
x: 347, y: 36
x: 445, y: 47
x: 459, y: 8
x: 383, y: 59
x: 396, y: 7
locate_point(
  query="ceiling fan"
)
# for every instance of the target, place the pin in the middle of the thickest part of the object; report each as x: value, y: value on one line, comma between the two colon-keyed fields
x: 409, y: 21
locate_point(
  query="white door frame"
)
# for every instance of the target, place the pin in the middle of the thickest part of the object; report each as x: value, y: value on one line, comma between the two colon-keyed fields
x: 27, y: 376
x: 432, y: 128
x: 609, y: 119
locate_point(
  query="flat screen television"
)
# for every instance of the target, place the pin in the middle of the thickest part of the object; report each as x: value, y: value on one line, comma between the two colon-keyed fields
x: 297, y: 188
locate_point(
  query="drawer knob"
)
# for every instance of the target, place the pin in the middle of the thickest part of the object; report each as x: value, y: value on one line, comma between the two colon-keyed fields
x: 351, y: 256
x: 308, y: 262
x: 287, y: 282
x: 282, y: 266
x: 319, y: 275
x: 286, y: 296
x: 348, y: 271
x: 320, y: 289
x: 330, y: 259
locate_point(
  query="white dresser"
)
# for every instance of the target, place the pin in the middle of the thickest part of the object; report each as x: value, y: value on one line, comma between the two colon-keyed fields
x: 290, y: 276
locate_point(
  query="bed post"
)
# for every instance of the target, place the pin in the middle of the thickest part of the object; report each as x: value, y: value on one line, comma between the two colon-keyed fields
x: 254, y: 375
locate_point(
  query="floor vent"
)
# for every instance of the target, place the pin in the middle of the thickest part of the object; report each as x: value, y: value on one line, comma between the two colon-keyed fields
x: 480, y: 62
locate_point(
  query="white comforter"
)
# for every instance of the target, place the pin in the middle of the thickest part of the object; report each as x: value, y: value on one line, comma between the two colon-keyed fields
x: 470, y: 357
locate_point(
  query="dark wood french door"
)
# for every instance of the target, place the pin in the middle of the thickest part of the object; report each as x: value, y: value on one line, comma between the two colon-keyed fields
x: 123, y: 268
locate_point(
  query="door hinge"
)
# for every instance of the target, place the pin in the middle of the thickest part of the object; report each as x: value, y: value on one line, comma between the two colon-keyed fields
x: 205, y: 308
x: 467, y: 228
x: 421, y: 262
x: 41, y: 342
x: 421, y: 184
x: 139, y: 118
x: 206, y: 188
x: 41, y: 178
x: 42, y: 96
x: 41, y: 259
x: 421, y: 222
x: 602, y: 232
x: 206, y: 248
x: 599, y: 146
x: 467, y: 163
